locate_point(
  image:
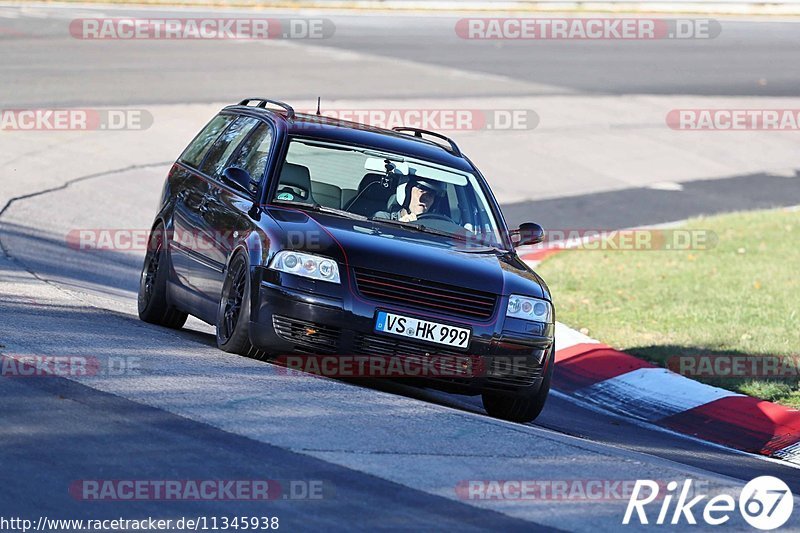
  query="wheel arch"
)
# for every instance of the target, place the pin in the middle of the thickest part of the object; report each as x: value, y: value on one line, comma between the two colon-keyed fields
x: 251, y: 248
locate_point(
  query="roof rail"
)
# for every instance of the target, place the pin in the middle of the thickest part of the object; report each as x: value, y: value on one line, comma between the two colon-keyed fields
x: 418, y: 133
x: 262, y: 102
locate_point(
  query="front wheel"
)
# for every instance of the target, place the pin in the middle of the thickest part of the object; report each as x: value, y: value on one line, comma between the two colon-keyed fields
x: 233, y: 315
x: 520, y: 407
x: 153, y: 306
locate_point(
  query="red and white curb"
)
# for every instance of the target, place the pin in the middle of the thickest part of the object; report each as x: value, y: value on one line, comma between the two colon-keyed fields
x: 623, y: 384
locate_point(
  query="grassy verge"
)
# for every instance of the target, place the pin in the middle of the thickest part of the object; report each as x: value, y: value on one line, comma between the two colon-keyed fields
x: 739, y: 298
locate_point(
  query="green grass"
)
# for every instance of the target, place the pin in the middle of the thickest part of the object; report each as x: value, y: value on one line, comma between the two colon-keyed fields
x: 740, y: 297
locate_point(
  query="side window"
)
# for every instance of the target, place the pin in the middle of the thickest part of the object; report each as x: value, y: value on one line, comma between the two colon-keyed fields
x: 255, y: 152
x: 194, y: 153
x: 222, y: 149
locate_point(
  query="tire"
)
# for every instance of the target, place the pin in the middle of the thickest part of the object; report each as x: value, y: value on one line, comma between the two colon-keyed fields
x: 233, y: 314
x: 520, y: 407
x: 153, y: 306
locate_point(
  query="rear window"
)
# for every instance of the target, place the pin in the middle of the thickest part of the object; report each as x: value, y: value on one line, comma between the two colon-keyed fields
x: 197, y: 149
x: 255, y: 152
x: 225, y: 145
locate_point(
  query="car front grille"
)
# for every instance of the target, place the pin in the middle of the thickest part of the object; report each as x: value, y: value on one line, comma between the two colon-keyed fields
x: 377, y: 345
x: 323, y: 339
x: 448, y: 363
x: 427, y: 295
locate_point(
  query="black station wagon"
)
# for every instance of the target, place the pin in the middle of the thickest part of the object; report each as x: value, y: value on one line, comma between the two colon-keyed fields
x: 298, y: 234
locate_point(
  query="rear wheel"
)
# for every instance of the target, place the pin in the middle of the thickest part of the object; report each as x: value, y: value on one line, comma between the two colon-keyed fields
x: 520, y: 407
x: 233, y: 315
x: 153, y: 306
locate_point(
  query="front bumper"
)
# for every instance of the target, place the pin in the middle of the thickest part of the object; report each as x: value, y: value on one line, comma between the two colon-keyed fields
x: 503, y: 355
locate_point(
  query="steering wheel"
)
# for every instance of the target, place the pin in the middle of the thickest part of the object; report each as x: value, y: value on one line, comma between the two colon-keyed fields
x: 434, y: 216
x: 439, y: 221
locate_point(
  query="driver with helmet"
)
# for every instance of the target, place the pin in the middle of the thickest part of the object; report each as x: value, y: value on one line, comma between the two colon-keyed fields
x: 416, y: 197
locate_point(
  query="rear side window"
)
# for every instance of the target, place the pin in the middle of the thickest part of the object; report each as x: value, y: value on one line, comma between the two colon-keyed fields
x: 255, y: 152
x: 196, y: 151
x: 225, y: 144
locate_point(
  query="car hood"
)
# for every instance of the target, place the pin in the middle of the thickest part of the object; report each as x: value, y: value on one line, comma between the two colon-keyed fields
x: 407, y: 252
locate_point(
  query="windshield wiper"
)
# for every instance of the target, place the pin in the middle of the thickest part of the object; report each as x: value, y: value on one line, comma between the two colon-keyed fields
x: 420, y: 227
x: 314, y: 206
x: 485, y: 250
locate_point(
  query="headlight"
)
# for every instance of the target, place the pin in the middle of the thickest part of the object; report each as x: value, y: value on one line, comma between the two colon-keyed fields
x: 528, y: 308
x: 306, y: 265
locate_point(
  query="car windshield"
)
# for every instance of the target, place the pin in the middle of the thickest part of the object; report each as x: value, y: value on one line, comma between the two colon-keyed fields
x: 387, y: 188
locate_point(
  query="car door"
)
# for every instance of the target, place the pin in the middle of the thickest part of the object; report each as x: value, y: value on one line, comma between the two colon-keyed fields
x: 190, y: 189
x: 218, y: 224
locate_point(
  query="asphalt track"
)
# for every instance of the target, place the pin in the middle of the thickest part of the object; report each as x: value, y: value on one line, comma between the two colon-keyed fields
x: 389, y: 455
x: 746, y: 59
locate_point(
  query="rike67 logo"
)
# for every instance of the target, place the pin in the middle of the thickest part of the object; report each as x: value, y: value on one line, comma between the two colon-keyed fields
x: 765, y: 503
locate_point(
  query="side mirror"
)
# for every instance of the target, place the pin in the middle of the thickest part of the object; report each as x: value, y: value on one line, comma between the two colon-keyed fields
x: 528, y: 233
x: 238, y: 178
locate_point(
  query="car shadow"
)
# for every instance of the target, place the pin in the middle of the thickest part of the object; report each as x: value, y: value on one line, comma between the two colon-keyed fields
x: 744, y: 422
x: 668, y: 356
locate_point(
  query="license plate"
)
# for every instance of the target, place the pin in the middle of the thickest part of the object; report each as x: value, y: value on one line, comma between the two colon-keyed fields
x: 423, y: 330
